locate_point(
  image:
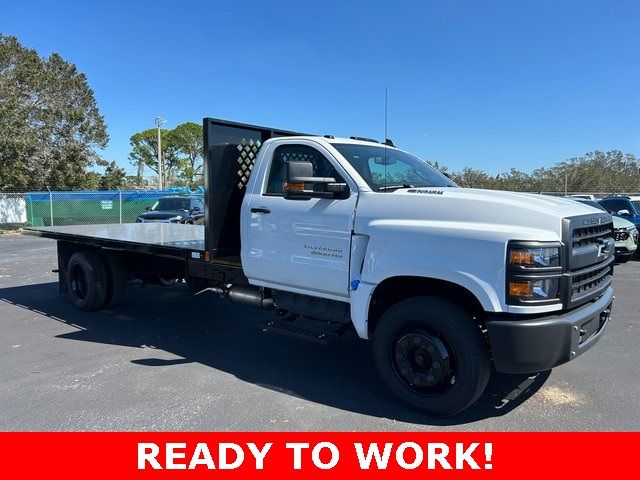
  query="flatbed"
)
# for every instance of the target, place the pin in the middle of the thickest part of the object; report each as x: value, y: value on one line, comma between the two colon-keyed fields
x: 168, y: 239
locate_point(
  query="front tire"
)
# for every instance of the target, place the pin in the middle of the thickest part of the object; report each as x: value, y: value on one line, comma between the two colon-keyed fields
x: 86, y: 281
x: 431, y: 355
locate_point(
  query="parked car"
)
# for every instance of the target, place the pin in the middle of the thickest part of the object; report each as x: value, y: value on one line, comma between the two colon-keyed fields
x: 623, y: 206
x: 176, y: 209
x: 625, y: 233
x: 196, y: 218
x: 582, y: 195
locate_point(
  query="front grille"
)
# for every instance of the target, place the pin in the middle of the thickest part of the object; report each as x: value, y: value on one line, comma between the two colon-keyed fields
x: 589, y: 251
x: 621, y: 235
x: 590, y: 235
x: 589, y: 280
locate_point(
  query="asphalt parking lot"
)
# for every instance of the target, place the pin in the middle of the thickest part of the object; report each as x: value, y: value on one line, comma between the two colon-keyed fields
x: 169, y: 361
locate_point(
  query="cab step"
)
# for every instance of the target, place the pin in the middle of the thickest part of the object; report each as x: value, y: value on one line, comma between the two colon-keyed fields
x: 302, y: 332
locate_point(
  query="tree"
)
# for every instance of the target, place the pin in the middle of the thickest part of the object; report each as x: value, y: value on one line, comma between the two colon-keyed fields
x: 472, y: 178
x: 144, y: 151
x: 605, y: 172
x: 181, y: 154
x: 50, y: 125
x: 187, y: 137
x: 113, y: 176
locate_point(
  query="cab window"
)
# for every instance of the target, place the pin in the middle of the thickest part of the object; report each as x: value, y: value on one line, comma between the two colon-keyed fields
x: 297, y: 153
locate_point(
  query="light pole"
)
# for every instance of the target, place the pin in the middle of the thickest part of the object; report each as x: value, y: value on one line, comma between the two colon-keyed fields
x: 159, y: 122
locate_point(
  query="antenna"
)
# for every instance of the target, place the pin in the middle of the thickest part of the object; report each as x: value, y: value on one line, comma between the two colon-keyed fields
x: 385, y: 133
x: 385, y: 113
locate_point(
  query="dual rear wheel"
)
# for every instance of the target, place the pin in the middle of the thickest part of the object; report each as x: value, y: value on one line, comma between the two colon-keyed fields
x: 95, y: 281
x: 98, y: 280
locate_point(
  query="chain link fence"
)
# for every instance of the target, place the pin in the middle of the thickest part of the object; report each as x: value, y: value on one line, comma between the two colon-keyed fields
x: 52, y: 208
x: 595, y: 195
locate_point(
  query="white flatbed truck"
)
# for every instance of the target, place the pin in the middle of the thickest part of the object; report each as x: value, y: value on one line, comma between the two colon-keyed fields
x: 359, y: 235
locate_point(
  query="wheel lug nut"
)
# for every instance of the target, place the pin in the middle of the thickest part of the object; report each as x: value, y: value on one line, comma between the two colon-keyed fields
x: 430, y: 378
x: 436, y: 365
x: 430, y: 349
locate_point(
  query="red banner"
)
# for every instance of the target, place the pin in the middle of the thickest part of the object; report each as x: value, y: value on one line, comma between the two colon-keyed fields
x: 317, y: 455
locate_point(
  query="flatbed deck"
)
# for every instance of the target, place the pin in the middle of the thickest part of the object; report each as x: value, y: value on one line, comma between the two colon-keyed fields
x: 159, y: 238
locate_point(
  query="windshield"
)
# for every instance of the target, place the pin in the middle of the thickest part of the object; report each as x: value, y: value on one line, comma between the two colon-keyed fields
x: 636, y: 205
x: 173, y: 203
x: 387, y: 169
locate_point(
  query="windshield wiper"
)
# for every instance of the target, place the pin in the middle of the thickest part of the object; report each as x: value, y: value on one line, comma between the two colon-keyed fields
x: 385, y: 188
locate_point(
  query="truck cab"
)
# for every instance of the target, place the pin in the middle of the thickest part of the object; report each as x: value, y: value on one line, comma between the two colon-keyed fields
x: 435, y: 274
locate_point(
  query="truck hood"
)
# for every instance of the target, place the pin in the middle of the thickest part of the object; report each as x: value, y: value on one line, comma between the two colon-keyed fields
x: 516, y: 215
x: 532, y: 201
x: 619, y: 222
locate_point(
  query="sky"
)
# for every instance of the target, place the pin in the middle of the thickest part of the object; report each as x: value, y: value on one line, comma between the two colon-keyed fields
x: 487, y: 84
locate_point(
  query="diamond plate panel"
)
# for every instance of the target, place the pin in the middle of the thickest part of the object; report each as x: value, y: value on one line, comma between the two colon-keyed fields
x: 247, y: 150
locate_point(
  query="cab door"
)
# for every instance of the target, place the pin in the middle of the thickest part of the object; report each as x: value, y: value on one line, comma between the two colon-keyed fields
x: 299, y: 245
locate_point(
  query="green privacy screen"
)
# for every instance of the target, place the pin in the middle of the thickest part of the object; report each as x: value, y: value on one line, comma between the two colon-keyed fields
x: 89, y: 207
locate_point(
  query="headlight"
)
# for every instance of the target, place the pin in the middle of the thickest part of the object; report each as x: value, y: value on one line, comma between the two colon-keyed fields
x: 534, y: 272
x: 634, y: 234
x: 531, y: 256
x: 540, y: 289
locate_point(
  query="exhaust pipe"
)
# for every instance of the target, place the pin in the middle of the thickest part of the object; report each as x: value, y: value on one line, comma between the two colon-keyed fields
x: 242, y: 295
x: 250, y: 296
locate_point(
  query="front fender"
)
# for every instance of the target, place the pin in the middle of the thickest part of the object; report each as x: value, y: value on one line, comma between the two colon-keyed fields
x: 476, y: 265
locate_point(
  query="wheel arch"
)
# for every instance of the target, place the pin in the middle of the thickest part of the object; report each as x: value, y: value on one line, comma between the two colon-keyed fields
x: 396, y: 289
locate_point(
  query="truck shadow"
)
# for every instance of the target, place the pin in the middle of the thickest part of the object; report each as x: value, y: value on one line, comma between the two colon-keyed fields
x: 215, y: 333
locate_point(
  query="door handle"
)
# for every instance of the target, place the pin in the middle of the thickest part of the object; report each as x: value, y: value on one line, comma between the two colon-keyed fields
x: 260, y: 210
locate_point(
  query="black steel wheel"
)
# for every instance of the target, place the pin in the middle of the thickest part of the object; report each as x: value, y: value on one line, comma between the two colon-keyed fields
x: 431, y: 355
x: 86, y: 281
x: 423, y: 360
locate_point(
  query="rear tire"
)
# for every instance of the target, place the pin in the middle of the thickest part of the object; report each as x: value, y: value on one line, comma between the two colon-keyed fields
x: 116, y: 279
x: 86, y: 280
x: 431, y: 355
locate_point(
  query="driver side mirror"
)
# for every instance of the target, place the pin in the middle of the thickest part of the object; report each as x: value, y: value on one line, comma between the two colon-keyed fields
x: 195, y: 209
x: 300, y: 184
x: 147, y: 208
x: 623, y: 212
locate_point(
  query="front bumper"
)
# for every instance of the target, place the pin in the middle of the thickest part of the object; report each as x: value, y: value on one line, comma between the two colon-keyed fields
x: 626, y: 247
x: 161, y: 220
x: 536, y: 344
